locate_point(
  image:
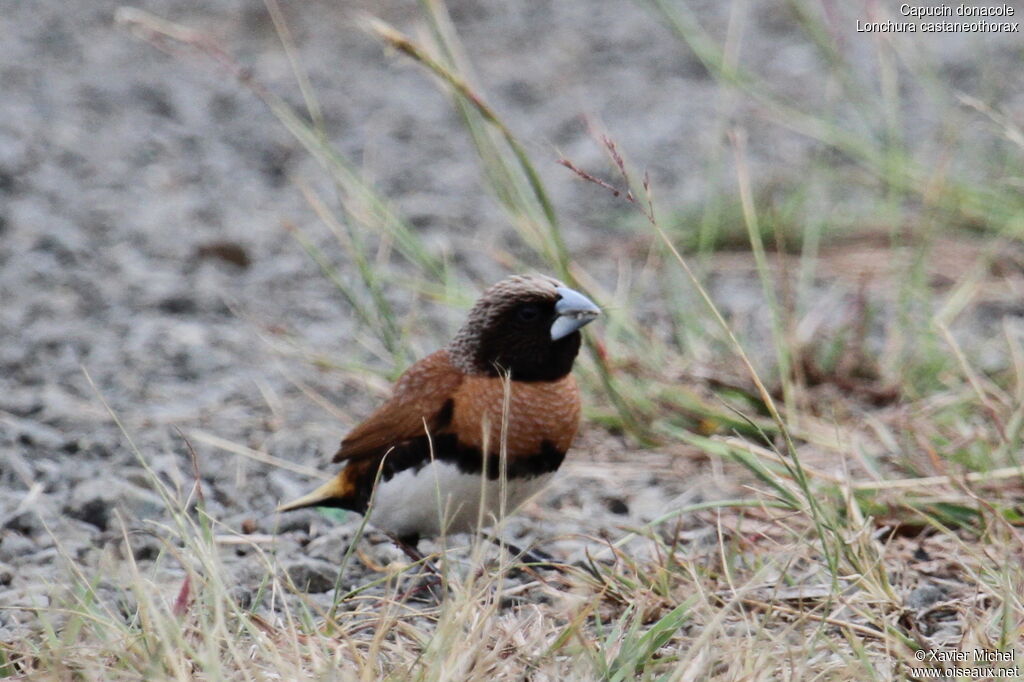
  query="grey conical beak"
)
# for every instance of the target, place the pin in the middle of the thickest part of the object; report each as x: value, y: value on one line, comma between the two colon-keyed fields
x: 573, y: 311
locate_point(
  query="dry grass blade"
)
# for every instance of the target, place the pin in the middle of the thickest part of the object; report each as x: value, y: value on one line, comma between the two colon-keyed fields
x: 256, y: 455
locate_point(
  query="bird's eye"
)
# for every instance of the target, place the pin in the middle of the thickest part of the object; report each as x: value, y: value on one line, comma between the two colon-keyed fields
x: 528, y: 313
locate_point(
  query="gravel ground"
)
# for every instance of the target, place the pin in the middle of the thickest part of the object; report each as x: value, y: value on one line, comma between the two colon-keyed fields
x: 123, y: 168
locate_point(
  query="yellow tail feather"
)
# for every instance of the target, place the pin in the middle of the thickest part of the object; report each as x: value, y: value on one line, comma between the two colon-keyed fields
x: 333, y: 489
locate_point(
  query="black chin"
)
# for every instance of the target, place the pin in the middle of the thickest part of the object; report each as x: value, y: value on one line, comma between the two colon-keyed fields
x: 551, y: 364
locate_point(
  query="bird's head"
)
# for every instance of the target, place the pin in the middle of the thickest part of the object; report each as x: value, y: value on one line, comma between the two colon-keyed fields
x: 527, y: 325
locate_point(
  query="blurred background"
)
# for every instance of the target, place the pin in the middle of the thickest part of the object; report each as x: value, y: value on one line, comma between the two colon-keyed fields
x: 237, y: 222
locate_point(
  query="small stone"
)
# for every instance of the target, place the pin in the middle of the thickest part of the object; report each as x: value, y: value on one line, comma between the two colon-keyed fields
x: 300, y: 521
x: 95, y: 512
x: 616, y: 505
x: 312, y: 575
x: 15, y: 546
x: 145, y: 547
x: 242, y: 596
x: 228, y: 252
x: 92, y: 501
x: 40, y: 436
x: 179, y: 305
x: 28, y: 600
x: 923, y: 597
x: 25, y: 523
x: 330, y: 547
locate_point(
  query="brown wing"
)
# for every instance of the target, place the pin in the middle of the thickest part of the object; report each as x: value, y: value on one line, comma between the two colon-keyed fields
x: 422, y: 396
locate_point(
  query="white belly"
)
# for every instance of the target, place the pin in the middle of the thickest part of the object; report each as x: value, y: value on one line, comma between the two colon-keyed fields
x: 439, y: 498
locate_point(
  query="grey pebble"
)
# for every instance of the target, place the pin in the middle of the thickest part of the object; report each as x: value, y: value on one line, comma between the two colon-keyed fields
x: 94, y: 500
x: 312, y: 575
x: 331, y: 546
x: 924, y: 596
x: 15, y: 546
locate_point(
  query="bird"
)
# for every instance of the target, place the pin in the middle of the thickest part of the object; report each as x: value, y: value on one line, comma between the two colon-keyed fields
x: 499, y: 396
